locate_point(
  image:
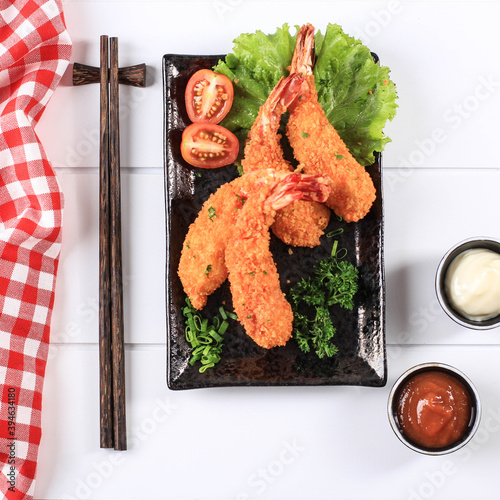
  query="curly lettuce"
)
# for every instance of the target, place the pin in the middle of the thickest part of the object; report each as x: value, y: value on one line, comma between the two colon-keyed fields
x: 355, y: 92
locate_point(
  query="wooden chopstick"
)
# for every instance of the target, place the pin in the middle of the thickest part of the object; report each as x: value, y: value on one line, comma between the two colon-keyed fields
x: 111, y: 340
x: 117, y: 340
x: 105, y: 368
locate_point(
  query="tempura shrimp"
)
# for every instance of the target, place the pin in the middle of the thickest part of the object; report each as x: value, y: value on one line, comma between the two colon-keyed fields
x: 257, y: 297
x: 318, y: 147
x: 303, y: 223
x: 202, y: 267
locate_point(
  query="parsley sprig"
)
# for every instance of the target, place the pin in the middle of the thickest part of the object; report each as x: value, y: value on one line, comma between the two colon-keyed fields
x: 333, y: 282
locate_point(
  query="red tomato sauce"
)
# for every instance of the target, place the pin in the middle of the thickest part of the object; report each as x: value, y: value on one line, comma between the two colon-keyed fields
x: 434, y: 409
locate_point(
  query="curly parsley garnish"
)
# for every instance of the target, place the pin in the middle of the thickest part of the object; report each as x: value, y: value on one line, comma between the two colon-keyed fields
x: 333, y: 281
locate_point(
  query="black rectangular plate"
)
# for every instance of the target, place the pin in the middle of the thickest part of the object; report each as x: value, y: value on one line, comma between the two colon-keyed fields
x: 360, y: 336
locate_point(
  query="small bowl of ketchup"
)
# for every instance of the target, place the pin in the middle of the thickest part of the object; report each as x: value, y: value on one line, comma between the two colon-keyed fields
x: 434, y: 409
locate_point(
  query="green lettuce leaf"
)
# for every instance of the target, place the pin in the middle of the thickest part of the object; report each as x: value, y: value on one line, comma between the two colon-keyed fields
x: 355, y: 92
x: 256, y: 64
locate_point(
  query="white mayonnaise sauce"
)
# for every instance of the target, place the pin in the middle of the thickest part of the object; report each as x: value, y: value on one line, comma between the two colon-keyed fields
x: 472, y: 284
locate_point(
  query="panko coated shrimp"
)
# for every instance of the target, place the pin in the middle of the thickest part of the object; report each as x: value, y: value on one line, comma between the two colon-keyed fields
x: 257, y: 297
x: 202, y: 267
x: 317, y: 145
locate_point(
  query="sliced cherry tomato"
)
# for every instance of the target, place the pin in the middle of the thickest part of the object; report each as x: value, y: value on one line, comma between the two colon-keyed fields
x: 208, y: 145
x: 209, y: 96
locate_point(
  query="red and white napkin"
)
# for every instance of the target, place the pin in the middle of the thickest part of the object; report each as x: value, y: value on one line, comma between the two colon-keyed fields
x: 34, y: 53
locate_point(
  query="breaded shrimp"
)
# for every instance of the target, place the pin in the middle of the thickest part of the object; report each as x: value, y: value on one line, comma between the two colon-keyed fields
x: 303, y: 223
x: 202, y: 267
x: 318, y: 147
x: 257, y: 297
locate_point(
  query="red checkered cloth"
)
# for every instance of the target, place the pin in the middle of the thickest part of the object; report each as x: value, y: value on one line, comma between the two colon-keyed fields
x: 34, y: 53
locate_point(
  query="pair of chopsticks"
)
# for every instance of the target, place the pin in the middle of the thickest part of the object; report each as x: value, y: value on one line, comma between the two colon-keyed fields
x: 111, y: 341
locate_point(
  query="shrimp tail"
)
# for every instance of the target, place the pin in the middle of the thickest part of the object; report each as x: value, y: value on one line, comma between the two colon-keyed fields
x: 303, y: 56
x: 296, y: 187
x: 263, y: 149
x: 285, y: 92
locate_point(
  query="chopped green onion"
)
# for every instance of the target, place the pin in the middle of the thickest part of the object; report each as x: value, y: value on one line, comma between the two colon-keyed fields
x: 223, y: 327
x: 197, y: 323
x: 216, y: 336
x: 204, y: 336
x: 222, y: 313
x: 336, y: 232
x: 341, y: 254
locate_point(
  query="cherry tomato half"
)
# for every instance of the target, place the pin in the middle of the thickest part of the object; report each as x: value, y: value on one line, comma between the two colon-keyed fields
x: 208, y: 145
x: 209, y: 96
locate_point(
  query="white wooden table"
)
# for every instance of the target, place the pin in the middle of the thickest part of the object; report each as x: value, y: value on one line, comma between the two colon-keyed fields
x: 441, y: 182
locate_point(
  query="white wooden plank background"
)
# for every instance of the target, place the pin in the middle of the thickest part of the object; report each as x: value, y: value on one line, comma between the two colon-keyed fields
x: 441, y: 181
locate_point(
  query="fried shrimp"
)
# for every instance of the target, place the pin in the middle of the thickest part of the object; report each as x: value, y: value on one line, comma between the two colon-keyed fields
x: 202, y: 267
x: 257, y: 297
x: 318, y: 147
x: 303, y: 223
